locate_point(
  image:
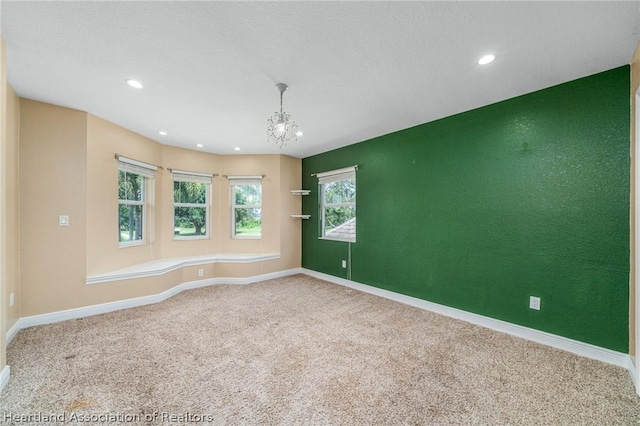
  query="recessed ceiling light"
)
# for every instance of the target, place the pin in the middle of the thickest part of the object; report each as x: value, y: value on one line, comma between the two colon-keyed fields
x: 135, y: 83
x: 299, y: 133
x: 199, y: 145
x: 487, y: 59
x: 162, y: 133
x: 237, y: 148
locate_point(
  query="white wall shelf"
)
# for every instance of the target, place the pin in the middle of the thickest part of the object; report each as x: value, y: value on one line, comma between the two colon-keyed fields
x: 300, y: 192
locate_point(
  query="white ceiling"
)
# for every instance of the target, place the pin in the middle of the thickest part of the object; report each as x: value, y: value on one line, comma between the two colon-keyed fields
x: 356, y: 70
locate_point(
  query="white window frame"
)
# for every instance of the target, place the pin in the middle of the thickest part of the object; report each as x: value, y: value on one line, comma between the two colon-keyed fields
x: 238, y: 181
x: 324, y: 178
x: 184, y: 176
x: 147, y: 172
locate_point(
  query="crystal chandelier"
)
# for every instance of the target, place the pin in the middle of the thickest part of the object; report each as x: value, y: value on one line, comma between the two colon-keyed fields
x: 280, y: 128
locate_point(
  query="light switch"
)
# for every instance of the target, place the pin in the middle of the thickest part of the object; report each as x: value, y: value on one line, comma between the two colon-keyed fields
x: 64, y: 221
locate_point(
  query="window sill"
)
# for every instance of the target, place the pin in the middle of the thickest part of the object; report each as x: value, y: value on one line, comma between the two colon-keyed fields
x: 199, y: 237
x: 133, y: 244
x: 163, y: 266
x: 337, y: 239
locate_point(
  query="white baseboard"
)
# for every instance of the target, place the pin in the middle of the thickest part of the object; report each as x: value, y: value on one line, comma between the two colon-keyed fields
x: 579, y: 348
x: 4, y: 377
x: 11, y: 333
x: 569, y: 345
x: 103, y: 308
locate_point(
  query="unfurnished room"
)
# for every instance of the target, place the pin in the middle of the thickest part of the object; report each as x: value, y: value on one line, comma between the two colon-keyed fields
x: 319, y: 213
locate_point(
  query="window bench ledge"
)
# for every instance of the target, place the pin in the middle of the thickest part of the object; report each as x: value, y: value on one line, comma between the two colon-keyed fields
x: 162, y: 266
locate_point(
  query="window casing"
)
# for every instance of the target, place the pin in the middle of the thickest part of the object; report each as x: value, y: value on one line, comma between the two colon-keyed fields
x: 134, y: 180
x: 191, y: 200
x: 246, y: 207
x: 337, y: 190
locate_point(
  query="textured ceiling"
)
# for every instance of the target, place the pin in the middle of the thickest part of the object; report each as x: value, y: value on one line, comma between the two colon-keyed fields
x: 356, y: 70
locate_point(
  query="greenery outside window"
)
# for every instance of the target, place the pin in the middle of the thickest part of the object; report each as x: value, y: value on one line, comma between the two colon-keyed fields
x: 191, y: 195
x: 133, y: 177
x: 337, y: 191
x: 246, y: 206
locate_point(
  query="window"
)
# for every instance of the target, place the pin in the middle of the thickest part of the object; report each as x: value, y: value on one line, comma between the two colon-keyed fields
x: 131, y: 206
x: 338, y: 204
x: 191, y: 205
x: 246, y: 206
x: 133, y: 178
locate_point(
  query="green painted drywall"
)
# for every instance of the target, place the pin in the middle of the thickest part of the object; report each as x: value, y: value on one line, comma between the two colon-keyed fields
x: 481, y: 210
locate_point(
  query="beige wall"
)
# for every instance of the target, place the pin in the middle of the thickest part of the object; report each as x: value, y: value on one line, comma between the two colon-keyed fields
x: 9, y: 207
x: 635, y: 84
x: 248, y: 165
x: 191, y: 161
x: 52, y: 183
x: 67, y: 166
x: 104, y: 140
x: 290, y: 229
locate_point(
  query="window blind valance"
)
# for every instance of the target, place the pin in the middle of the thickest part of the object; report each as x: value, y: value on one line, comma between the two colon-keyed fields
x: 141, y: 168
x: 245, y: 180
x: 184, y: 176
x: 335, y: 175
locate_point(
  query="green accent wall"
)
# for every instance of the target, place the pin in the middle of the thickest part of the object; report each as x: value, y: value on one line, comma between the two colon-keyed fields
x: 480, y: 210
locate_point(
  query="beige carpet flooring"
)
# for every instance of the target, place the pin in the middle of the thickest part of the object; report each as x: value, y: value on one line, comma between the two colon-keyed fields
x: 298, y: 350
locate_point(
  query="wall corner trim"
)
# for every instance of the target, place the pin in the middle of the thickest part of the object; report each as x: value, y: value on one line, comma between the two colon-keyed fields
x: 579, y: 348
x: 4, y: 377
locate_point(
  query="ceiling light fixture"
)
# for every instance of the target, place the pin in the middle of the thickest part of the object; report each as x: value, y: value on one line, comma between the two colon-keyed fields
x: 280, y: 128
x: 135, y: 83
x: 162, y: 133
x: 299, y: 133
x: 487, y: 59
x: 199, y: 145
x: 237, y: 148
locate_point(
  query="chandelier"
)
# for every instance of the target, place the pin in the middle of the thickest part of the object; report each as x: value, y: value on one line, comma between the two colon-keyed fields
x: 280, y: 128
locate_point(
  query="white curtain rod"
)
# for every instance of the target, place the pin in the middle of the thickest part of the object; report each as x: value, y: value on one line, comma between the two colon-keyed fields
x: 244, y: 177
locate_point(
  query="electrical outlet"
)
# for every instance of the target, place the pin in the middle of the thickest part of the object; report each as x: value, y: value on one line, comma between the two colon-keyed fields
x: 534, y: 303
x: 201, y: 272
x: 11, y: 300
x: 344, y: 263
x: 63, y: 220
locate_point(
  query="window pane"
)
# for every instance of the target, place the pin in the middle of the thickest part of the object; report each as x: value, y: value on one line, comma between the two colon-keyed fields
x: 341, y: 191
x: 248, y: 222
x: 130, y: 223
x: 130, y: 186
x: 189, y: 221
x: 189, y: 192
x: 248, y: 195
x: 340, y: 222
